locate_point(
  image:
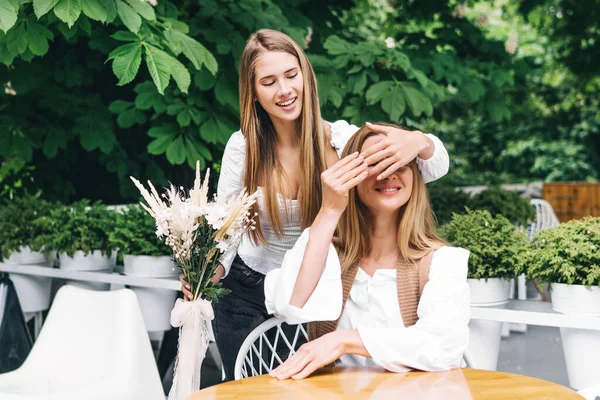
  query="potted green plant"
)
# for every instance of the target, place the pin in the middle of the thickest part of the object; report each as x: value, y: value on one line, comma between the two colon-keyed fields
x: 145, y: 255
x: 507, y: 203
x: 19, y: 231
x: 568, y: 258
x: 79, y: 233
x: 495, y: 245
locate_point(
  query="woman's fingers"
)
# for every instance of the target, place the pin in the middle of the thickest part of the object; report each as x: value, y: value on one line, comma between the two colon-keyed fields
x: 308, y: 369
x: 391, y: 169
x: 356, y: 180
x: 382, y: 166
x: 341, y: 163
x: 291, y: 366
x: 357, y: 162
x: 375, y: 128
x: 187, y: 295
x: 353, y: 173
x: 374, y: 153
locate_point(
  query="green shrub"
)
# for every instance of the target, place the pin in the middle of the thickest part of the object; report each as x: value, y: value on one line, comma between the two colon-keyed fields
x: 505, y: 202
x: 447, y: 200
x: 18, y: 227
x: 134, y: 234
x: 569, y: 253
x: 79, y: 226
x: 494, y: 242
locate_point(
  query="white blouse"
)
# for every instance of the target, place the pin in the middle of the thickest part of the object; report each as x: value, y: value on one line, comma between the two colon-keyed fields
x: 265, y: 258
x: 435, y: 343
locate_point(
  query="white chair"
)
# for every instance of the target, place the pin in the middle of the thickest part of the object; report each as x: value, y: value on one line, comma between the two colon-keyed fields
x: 544, y: 217
x: 468, y: 359
x: 252, y: 360
x: 94, y: 345
x: 591, y: 393
x: 257, y: 355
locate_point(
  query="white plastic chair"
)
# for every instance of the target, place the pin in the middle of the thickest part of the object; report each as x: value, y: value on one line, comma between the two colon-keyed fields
x: 590, y: 393
x: 94, y: 345
x: 544, y: 217
x: 257, y: 355
x: 469, y: 360
x: 251, y: 360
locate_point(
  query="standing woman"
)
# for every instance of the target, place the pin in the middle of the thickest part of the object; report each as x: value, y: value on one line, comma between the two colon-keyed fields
x: 281, y: 150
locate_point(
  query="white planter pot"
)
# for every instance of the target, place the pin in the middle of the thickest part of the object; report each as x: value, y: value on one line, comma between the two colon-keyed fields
x: 485, y: 336
x: 150, y: 267
x: 156, y: 304
x: 33, y: 291
x: 27, y: 257
x: 94, y: 261
x: 581, y: 346
x: 490, y: 292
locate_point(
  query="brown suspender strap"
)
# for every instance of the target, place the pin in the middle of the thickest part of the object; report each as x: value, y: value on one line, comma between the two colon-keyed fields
x: 318, y: 329
x: 424, y: 267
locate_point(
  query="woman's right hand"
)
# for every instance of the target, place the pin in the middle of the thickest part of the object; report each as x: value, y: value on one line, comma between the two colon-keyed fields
x: 339, y: 179
x: 185, y: 288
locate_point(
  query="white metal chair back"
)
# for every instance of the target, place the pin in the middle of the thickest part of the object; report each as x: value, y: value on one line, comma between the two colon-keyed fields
x: 258, y: 354
x: 544, y: 217
x: 252, y: 360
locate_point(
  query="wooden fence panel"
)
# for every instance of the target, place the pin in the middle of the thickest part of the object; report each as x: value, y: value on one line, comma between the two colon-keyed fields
x: 573, y: 200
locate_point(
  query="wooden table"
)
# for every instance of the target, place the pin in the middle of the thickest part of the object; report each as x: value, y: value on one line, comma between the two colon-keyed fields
x: 345, y: 383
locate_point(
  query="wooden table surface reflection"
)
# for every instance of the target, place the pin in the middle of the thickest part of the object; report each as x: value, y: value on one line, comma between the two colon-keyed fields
x: 345, y: 383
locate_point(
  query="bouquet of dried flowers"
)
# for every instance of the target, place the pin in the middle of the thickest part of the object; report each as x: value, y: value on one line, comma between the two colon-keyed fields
x: 199, y: 232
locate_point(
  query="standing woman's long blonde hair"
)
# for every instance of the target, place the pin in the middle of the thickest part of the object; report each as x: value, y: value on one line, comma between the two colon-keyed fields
x: 262, y: 167
x: 416, y: 225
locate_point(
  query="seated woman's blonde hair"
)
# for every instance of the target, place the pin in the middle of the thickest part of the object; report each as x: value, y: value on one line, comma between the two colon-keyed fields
x: 416, y: 224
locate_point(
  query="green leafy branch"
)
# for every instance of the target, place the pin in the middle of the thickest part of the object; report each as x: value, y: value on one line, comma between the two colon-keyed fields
x: 158, y: 39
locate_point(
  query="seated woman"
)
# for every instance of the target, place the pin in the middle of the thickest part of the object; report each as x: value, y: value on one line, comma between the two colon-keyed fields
x: 373, y: 256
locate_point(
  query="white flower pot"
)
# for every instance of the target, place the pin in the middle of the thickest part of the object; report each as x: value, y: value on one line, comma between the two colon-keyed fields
x: 156, y: 304
x: 149, y: 266
x: 94, y: 261
x: 581, y: 346
x: 33, y: 291
x: 484, y: 342
x: 27, y: 257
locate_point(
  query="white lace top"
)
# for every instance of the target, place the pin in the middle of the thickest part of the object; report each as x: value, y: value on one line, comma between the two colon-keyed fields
x: 231, y: 181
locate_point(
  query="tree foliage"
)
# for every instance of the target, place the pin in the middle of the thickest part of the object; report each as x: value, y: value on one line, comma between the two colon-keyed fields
x: 95, y: 91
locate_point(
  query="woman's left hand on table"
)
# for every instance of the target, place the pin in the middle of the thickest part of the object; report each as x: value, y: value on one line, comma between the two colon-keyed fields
x: 310, y: 357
